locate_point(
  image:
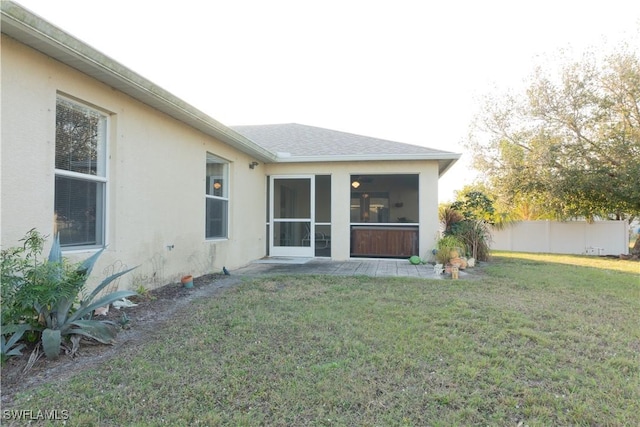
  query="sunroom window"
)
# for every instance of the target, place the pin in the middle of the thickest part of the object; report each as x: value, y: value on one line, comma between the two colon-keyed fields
x: 217, y: 198
x: 80, y: 175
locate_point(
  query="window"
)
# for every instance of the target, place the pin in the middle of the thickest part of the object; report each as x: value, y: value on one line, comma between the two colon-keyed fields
x: 80, y: 175
x: 217, y: 197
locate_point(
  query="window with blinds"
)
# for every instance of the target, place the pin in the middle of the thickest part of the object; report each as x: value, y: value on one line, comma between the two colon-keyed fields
x: 80, y: 175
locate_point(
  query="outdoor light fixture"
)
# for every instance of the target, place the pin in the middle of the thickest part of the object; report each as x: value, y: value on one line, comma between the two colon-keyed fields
x: 252, y: 165
x: 355, y: 184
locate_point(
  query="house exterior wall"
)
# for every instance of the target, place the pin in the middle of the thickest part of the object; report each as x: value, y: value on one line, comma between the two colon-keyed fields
x: 571, y: 237
x: 156, y: 172
x: 341, y: 196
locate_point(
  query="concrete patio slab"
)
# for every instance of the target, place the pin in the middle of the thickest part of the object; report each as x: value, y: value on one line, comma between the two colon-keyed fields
x: 352, y: 267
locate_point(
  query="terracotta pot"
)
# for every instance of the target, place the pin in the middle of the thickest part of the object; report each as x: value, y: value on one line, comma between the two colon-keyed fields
x: 461, y: 263
x: 187, y: 281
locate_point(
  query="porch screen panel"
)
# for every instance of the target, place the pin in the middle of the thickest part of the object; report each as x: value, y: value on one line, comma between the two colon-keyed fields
x: 292, y: 200
x: 384, y: 199
x: 385, y: 214
x: 293, y: 234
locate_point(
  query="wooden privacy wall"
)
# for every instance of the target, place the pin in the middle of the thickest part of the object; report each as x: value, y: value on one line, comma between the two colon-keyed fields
x: 394, y: 242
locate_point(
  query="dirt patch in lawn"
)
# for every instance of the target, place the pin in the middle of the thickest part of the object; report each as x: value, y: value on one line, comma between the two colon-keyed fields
x: 157, y: 307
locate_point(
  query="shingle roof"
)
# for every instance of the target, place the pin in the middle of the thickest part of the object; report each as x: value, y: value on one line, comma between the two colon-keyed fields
x: 268, y: 143
x: 302, y: 143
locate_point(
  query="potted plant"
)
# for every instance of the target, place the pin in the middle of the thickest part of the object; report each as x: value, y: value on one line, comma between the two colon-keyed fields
x: 446, y: 247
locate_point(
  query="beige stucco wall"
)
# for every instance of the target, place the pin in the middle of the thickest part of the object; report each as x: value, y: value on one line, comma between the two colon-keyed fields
x: 156, y: 172
x: 341, y: 188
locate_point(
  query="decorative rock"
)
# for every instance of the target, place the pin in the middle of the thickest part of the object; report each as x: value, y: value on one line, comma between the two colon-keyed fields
x: 123, y: 303
x: 101, y: 311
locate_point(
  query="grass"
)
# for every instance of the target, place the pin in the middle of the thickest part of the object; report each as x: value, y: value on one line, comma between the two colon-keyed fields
x: 538, y: 341
x: 597, y: 263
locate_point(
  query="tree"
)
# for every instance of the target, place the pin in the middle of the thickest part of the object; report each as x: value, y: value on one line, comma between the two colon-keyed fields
x: 568, y: 147
x: 474, y: 204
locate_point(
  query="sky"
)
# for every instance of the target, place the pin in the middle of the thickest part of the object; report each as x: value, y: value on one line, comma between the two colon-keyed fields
x: 405, y: 70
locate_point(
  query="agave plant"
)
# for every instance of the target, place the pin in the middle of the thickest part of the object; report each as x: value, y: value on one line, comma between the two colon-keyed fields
x: 11, y: 347
x: 63, y: 318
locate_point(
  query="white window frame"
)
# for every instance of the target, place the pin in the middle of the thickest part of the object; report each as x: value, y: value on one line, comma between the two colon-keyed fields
x: 102, y: 178
x: 224, y: 197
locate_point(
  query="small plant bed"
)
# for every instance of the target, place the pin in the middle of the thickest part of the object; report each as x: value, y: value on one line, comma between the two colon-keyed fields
x: 151, y: 304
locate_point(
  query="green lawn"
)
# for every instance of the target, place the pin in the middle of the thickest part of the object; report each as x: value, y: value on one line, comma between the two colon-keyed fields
x: 542, y: 340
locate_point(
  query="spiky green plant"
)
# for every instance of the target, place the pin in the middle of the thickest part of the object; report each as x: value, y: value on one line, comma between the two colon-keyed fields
x: 61, y: 318
x: 12, y: 347
x: 476, y: 237
x: 124, y: 321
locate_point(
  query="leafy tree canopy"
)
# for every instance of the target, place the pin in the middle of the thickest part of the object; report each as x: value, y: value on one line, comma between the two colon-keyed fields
x: 569, y: 146
x: 474, y: 204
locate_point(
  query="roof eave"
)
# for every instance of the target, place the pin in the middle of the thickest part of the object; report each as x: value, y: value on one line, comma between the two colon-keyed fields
x: 20, y: 24
x: 445, y: 160
x: 445, y: 164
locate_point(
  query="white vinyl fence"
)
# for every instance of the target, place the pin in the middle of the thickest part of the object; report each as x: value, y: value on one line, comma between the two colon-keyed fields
x: 571, y: 237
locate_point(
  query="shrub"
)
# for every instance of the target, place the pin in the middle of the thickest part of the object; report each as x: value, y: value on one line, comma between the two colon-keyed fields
x: 448, y: 217
x: 20, y: 269
x: 445, y: 246
x: 28, y: 281
x: 44, y: 295
x: 468, y: 218
x: 476, y: 237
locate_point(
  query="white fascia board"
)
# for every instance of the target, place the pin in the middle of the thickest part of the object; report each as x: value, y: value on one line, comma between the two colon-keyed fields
x: 366, y: 157
x: 445, y: 160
